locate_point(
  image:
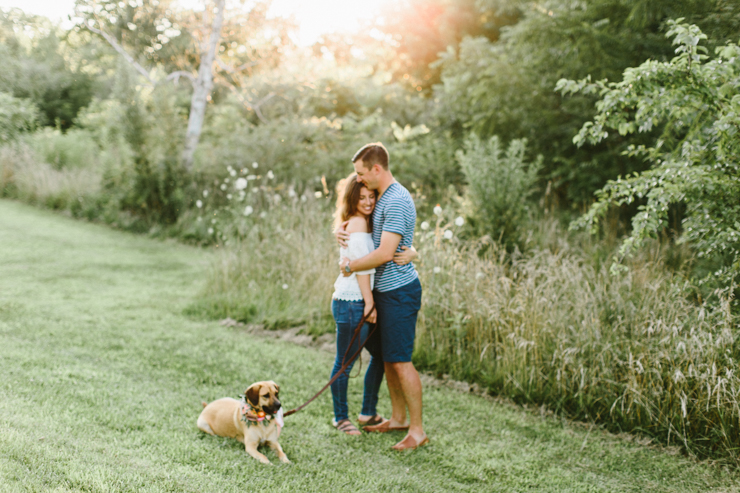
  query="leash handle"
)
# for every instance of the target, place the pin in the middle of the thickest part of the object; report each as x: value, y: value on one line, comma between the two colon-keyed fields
x: 345, y: 364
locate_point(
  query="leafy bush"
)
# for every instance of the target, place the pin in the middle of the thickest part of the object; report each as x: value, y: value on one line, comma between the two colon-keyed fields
x: 499, y: 184
x: 16, y: 117
x: 695, y: 162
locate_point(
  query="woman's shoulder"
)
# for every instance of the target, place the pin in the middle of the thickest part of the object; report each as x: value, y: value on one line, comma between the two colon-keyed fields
x: 357, y: 224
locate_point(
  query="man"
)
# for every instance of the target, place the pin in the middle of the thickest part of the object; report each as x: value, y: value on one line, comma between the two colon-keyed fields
x: 397, y: 292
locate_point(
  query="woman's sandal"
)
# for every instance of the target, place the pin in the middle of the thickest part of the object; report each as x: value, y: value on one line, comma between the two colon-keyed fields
x: 346, y: 426
x: 372, y: 421
x: 384, y: 427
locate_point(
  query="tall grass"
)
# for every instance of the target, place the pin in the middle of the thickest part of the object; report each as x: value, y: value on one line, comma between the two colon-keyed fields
x: 550, y: 326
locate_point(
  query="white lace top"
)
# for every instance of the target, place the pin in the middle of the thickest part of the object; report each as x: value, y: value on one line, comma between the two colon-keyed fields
x: 347, y: 288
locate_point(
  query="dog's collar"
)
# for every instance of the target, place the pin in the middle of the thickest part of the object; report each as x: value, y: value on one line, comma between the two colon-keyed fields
x: 252, y: 416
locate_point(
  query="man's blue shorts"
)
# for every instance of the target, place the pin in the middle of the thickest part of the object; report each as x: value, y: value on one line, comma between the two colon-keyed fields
x: 397, y: 312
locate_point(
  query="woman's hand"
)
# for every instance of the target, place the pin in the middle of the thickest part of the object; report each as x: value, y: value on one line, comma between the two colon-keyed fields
x: 373, y: 316
x: 406, y: 256
x: 342, y: 235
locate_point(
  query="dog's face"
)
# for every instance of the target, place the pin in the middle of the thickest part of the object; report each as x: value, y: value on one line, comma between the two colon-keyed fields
x: 264, y: 396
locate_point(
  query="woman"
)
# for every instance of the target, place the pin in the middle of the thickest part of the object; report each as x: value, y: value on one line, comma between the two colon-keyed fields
x: 353, y: 299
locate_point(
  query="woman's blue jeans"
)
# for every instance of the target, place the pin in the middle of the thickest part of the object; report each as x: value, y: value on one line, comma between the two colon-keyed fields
x: 347, y: 314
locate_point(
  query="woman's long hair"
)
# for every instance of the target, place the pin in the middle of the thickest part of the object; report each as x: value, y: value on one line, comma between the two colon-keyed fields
x: 348, y: 196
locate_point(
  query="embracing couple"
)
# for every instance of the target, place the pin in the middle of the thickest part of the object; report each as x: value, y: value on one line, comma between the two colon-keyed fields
x: 375, y: 221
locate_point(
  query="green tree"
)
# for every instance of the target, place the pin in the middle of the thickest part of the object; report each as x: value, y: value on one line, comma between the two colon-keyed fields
x: 695, y: 160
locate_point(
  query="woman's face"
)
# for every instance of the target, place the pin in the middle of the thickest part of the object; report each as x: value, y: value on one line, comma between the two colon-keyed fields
x: 366, y: 203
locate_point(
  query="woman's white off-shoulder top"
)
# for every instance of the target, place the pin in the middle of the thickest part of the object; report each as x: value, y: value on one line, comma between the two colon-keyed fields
x: 347, y: 288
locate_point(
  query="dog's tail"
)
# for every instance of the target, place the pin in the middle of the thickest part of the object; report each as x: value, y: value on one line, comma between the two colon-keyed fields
x: 204, y: 403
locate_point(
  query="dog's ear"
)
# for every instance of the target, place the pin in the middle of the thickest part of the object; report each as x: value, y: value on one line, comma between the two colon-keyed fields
x: 253, y: 394
x: 277, y: 387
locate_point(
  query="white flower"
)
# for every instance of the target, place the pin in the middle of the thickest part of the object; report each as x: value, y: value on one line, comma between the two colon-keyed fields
x: 210, y: 231
x: 277, y: 198
x: 448, y: 234
x: 459, y: 221
x: 228, y: 196
x: 270, y: 175
x: 438, y: 210
x: 248, y: 210
x: 198, y: 204
x: 213, y: 221
x: 291, y: 192
x: 437, y: 270
x: 263, y: 214
x: 226, y: 180
x: 285, y: 286
x: 425, y: 225
x: 223, y: 186
x: 232, y: 172
x: 303, y: 198
x: 251, y: 177
x: 205, y: 193
x: 240, y: 183
x: 200, y: 219
x: 255, y: 165
x: 317, y: 195
x: 479, y: 275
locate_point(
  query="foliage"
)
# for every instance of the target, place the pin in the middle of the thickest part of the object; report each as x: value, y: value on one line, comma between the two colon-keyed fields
x: 695, y: 159
x: 505, y: 88
x: 498, y: 185
x: 16, y: 117
x: 35, y: 68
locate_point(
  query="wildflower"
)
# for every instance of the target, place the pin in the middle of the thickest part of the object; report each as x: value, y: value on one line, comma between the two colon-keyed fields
x: 459, y: 221
x: 437, y: 210
x: 200, y: 219
x: 425, y: 225
x: 232, y: 172
x: 277, y: 198
x: 213, y: 221
x: 303, y: 198
x: 291, y: 192
x: 198, y: 204
x: 448, y: 234
x: 205, y: 193
x: 252, y: 177
x: 223, y: 186
x: 285, y: 286
x: 248, y: 210
x: 270, y: 175
x: 437, y: 270
x: 255, y: 165
x: 263, y: 214
x: 226, y: 180
x: 317, y: 195
x: 479, y: 275
x: 228, y: 196
x: 210, y: 231
x: 240, y: 183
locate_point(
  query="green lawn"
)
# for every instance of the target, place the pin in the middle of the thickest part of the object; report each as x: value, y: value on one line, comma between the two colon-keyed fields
x: 102, y: 377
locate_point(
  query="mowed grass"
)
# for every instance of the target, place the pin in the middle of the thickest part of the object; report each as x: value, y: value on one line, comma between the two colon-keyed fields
x: 103, y: 375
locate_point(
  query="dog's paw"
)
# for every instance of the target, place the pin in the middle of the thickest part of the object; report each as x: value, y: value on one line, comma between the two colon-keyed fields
x: 265, y: 461
x: 284, y: 459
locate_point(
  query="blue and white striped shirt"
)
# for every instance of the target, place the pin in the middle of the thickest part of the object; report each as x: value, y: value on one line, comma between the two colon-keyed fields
x: 394, y: 212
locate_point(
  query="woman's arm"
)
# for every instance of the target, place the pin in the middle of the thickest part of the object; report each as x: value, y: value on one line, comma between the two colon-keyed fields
x: 367, y: 295
x: 406, y: 256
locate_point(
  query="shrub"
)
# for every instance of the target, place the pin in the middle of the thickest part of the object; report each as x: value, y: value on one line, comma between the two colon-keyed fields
x: 499, y: 184
x: 16, y: 117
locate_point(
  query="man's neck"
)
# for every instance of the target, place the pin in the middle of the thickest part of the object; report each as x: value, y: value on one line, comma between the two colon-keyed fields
x: 385, y: 181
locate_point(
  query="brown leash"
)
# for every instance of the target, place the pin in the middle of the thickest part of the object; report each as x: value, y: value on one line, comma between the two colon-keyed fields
x: 345, y: 362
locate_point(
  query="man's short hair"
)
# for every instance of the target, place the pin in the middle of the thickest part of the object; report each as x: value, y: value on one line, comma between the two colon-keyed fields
x: 372, y: 154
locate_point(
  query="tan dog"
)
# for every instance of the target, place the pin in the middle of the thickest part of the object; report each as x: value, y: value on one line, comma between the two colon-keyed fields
x: 255, y: 420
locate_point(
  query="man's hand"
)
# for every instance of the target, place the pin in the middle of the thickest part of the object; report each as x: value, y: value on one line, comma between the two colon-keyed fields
x: 373, y: 318
x: 342, y: 235
x: 342, y: 265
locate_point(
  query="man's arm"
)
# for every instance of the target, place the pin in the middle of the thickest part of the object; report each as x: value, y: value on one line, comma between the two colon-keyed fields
x: 383, y: 254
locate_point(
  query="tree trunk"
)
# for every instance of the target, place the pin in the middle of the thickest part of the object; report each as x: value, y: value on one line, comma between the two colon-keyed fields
x: 202, y: 88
